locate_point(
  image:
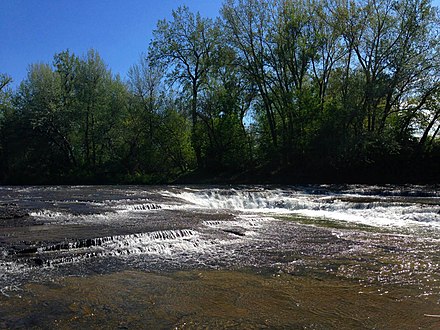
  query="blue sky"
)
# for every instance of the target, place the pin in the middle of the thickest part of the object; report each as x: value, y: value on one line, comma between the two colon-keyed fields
x: 34, y: 31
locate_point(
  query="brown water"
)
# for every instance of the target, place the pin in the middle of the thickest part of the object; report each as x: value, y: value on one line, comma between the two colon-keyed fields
x: 216, y: 300
x: 175, y: 258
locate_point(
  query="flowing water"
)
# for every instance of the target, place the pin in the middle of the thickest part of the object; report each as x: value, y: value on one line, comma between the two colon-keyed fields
x: 314, y: 257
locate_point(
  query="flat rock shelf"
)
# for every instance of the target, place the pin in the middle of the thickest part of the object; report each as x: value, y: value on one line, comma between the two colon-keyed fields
x: 314, y: 257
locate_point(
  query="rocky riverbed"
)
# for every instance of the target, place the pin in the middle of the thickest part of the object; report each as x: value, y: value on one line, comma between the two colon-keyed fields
x: 244, y: 257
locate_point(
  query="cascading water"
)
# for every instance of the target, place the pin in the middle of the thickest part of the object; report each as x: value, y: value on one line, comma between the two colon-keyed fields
x: 385, y: 237
x: 366, y: 208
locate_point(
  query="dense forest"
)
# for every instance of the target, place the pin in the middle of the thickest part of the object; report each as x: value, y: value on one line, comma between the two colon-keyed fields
x: 269, y: 91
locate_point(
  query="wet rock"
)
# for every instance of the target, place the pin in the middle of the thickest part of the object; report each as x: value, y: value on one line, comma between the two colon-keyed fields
x: 11, y: 215
x: 29, y: 250
x: 37, y: 262
x: 237, y: 232
x: 12, y: 211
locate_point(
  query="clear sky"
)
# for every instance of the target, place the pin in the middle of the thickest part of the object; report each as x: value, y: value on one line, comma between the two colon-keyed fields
x: 33, y: 31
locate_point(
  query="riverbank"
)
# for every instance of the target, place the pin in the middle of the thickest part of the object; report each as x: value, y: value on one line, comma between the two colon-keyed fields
x: 390, y: 171
x: 416, y: 172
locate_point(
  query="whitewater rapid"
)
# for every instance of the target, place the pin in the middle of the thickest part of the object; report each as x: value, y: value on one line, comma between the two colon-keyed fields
x: 86, y: 229
x: 382, y: 207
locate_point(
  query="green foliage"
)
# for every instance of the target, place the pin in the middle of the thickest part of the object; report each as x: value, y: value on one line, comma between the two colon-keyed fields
x: 75, y: 122
x: 329, y: 89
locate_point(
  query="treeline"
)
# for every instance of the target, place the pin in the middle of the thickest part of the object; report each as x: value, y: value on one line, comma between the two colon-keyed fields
x: 308, y: 90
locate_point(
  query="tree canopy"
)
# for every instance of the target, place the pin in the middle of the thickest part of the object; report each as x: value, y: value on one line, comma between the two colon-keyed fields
x: 270, y: 90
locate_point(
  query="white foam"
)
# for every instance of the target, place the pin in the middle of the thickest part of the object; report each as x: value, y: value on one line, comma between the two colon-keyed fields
x: 139, y: 207
x: 49, y: 214
x: 160, y: 243
x: 381, y: 211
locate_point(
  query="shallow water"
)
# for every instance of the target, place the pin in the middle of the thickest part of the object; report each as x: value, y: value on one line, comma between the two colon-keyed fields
x: 242, y: 257
x: 214, y: 299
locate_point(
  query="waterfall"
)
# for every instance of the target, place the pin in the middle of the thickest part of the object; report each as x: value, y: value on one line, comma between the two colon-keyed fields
x: 369, y: 207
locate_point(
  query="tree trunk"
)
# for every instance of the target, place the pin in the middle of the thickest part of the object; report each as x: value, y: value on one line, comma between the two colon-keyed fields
x: 194, y: 138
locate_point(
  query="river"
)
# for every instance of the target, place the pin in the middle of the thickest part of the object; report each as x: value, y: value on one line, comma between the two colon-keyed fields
x: 175, y: 257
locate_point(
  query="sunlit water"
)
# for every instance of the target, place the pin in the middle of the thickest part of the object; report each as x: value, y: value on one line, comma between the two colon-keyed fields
x: 243, y: 257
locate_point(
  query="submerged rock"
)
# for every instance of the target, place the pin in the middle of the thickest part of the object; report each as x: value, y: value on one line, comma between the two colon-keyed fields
x: 11, y: 215
x: 12, y: 211
x: 234, y: 231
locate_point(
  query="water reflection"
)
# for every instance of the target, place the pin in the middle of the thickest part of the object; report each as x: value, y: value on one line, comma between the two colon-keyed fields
x: 215, y: 299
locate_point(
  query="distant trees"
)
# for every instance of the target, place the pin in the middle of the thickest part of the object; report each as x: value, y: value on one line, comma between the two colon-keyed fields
x: 185, y: 47
x: 5, y: 108
x: 308, y: 87
x: 75, y: 121
x: 358, y: 74
x: 160, y: 139
x: 199, y: 66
